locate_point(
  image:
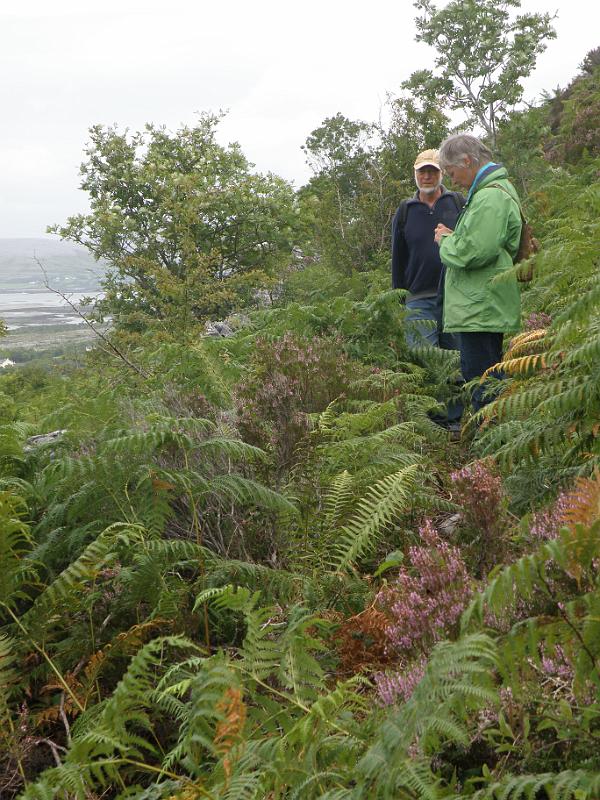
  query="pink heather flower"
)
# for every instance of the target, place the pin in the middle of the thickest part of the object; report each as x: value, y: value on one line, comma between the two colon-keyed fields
x: 424, y: 608
x: 479, y: 492
x: 399, y: 686
x: 537, y: 320
x: 557, y: 665
x: 547, y: 523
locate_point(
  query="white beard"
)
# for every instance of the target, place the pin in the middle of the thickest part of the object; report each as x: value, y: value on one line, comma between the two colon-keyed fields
x: 429, y: 189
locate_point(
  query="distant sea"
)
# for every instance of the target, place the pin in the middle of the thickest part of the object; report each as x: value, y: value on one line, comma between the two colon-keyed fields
x: 31, y: 310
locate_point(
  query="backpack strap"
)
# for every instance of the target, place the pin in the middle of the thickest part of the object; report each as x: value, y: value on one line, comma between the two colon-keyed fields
x: 459, y: 200
x: 403, y: 208
x: 502, y: 189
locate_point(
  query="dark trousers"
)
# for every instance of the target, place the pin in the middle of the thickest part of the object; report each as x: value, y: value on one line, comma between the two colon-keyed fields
x: 479, y: 352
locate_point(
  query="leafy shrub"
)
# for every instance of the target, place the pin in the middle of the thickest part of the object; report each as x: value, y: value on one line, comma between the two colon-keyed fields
x: 477, y: 490
x: 290, y: 378
x: 577, y: 117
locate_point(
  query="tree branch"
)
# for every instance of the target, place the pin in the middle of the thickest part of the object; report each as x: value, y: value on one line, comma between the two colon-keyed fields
x: 112, y: 347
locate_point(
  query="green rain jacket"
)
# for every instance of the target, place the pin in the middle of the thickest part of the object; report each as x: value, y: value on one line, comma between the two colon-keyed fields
x: 482, y: 247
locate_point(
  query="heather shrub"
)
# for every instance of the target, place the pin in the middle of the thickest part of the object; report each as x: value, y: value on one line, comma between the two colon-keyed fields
x: 290, y: 378
x: 425, y: 601
x: 579, y: 132
x: 423, y: 606
x: 398, y: 686
x: 485, y: 529
x: 546, y: 523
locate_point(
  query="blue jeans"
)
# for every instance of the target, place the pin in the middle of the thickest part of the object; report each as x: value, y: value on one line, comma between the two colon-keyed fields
x: 429, y: 310
x: 479, y: 352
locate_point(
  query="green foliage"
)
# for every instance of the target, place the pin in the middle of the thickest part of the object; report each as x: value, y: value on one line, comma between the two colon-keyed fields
x: 12, y: 456
x: 388, y: 497
x: 545, y: 433
x: 344, y: 196
x: 575, y: 116
x: 361, y: 172
x: 15, y: 543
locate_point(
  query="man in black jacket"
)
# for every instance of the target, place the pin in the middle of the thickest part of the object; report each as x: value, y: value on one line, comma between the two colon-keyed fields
x: 416, y: 264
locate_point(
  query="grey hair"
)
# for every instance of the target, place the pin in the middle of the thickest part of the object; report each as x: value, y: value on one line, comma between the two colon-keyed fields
x: 454, y: 149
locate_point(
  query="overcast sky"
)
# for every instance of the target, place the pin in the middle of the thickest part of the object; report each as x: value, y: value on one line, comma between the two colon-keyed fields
x: 278, y: 67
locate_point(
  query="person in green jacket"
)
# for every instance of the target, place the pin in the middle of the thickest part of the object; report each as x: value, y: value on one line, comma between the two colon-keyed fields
x: 480, y: 303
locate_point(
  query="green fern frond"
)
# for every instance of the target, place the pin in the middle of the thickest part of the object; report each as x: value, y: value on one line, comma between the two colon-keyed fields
x: 317, y: 781
x: 12, y: 440
x: 273, y: 583
x: 17, y: 570
x: 568, y: 398
x: 326, y: 418
x: 249, y: 492
x: 410, y: 778
x: 8, y: 677
x: 338, y: 498
x: 567, y: 785
x: 84, y: 568
x: 574, y: 549
x: 214, y: 592
x: 403, y: 435
x: 328, y: 707
x: 299, y: 671
x: 587, y: 354
x: 206, y: 688
x: 229, y: 448
x: 389, y: 497
x: 578, y: 310
x: 100, y: 753
x: 457, y: 681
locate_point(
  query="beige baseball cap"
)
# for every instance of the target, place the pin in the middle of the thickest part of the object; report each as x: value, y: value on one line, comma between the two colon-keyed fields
x: 428, y: 158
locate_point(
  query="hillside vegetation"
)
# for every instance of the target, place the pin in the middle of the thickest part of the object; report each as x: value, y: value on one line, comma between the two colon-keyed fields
x: 253, y: 566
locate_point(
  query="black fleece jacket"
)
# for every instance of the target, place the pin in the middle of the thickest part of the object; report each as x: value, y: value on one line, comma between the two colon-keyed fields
x: 416, y: 264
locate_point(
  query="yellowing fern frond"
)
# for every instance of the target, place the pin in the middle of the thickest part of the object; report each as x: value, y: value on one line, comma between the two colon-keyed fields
x: 583, y: 503
x: 523, y: 341
x: 522, y: 365
x: 229, y: 730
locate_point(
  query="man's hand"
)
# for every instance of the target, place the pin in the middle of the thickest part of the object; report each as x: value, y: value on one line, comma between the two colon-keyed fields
x: 440, y: 231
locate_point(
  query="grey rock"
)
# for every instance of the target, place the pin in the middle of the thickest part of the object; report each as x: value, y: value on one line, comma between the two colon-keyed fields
x: 43, y: 439
x: 449, y: 525
x: 218, y: 329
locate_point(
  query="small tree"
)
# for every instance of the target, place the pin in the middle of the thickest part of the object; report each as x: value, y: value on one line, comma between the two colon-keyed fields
x: 188, y: 230
x: 483, y: 54
x: 344, y: 193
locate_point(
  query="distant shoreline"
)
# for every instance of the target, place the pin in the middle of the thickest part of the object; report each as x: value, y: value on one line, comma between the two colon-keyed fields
x: 36, y: 316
